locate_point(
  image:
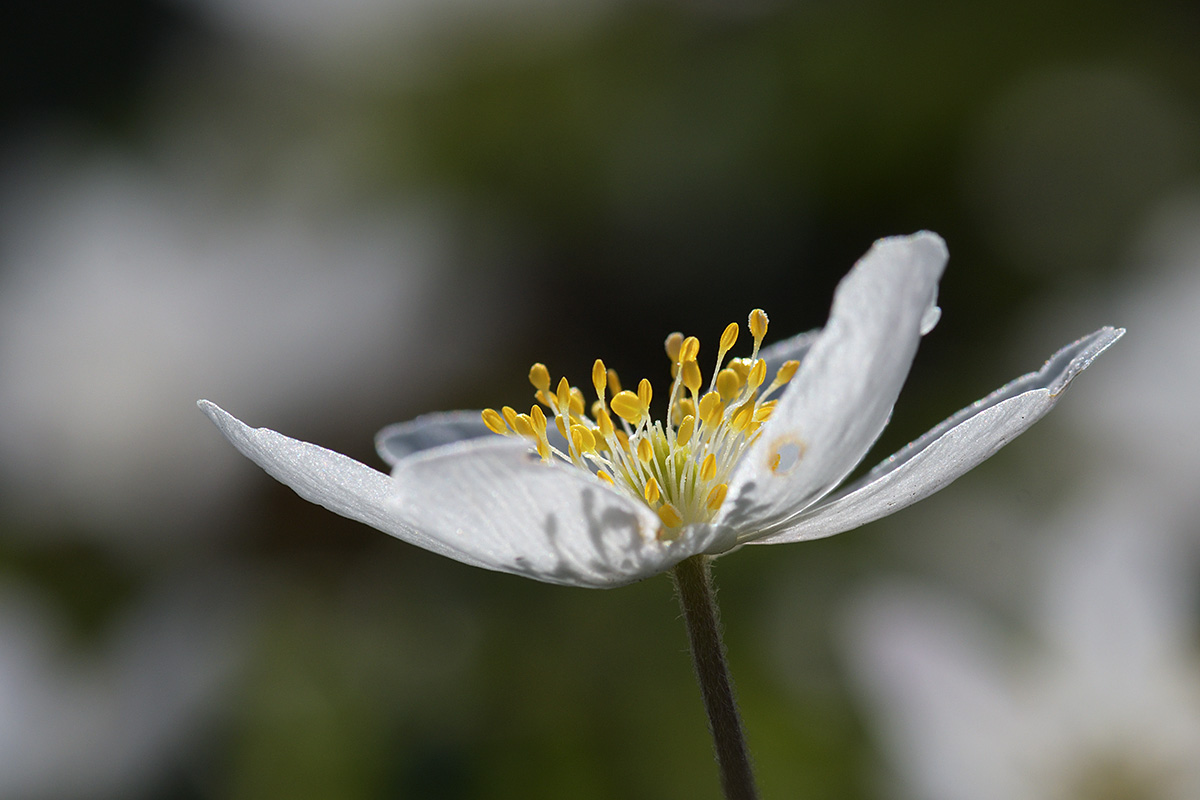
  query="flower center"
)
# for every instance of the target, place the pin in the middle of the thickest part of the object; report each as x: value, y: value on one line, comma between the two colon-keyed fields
x: 680, y: 465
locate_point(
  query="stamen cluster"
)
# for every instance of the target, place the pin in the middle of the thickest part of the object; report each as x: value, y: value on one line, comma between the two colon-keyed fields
x: 679, y: 466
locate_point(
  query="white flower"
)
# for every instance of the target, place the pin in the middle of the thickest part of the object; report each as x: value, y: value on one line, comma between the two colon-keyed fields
x: 743, y: 470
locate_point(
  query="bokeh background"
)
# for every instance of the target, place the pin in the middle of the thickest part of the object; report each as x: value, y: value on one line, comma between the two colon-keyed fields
x: 330, y: 215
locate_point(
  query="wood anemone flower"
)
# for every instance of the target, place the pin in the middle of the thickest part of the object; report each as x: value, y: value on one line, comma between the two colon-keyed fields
x: 606, y: 495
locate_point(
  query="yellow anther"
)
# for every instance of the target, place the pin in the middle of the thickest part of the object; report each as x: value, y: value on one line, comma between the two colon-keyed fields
x: 691, y: 376
x: 563, y: 396
x: 613, y: 381
x: 603, y: 422
x: 758, y: 326
x: 645, y: 392
x: 622, y: 440
x: 716, y: 497
x: 583, y: 440
x: 764, y: 412
x: 543, y: 449
x: 742, y: 417
x: 711, y: 408
x: 545, y: 398
x: 669, y: 515
x: 539, y: 376
x: 651, y: 491
x: 741, y: 366
x: 495, y: 422
x: 728, y: 384
x: 708, y: 468
x: 562, y: 426
x: 538, y: 418
x: 682, y: 409
x: 673, y: 344
x: 599, y: 378
x: 645, y: 451
x: 758, y: 374
x: 786, y: 372
x: 524, y: 426
x: 690, y: 349
x: 604, y: 476
x: 684, y: 435
x: 729, y: 337
x: 510, y: 416
x: 627, y: 406
x: 577, y: 403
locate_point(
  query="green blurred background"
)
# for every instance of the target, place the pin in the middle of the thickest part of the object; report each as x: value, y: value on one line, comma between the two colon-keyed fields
x: 332, y: 216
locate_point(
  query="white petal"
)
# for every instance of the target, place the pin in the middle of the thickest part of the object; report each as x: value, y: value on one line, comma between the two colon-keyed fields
x: 498, y: 502
x: 842, y: 396
x: 485, y: 502
x: 949, y: 450
x: 337, y: 482
x: 428, y: 430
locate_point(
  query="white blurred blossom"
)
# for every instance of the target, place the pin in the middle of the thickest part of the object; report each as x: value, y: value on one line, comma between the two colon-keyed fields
x: 110, y: 718
x: 1101, y: 700
x: 125, y: 294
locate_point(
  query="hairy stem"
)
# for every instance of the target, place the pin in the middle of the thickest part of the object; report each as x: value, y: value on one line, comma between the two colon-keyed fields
x: 693, y: 584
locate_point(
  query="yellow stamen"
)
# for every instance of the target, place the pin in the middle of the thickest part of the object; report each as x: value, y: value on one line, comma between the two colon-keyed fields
x: 604, y: 423
x: 742, y: 417
x: 524, y: 426
x: 673, y: 344
x: 645, y: 392
x: 539, y: 376
x: 645, y: 451
x: 690, y: 349
x: 691, y: 376
x: 599, y: 379
x: 627, y: 406
x: 577, y: 403
x: 685, y: 431
x: 716, y: 497
x: 680, y: 458
x: 614, y: 381
x: 729, y: 338
x: 786, y: 372
x: 758, y: 326
x: 741, y: 366
x: 582, y: 438
x: 669, y: 515
x: 563, y: 396
x: 728, y: 384
x: 758, y: 374
x: 494, y: 422
x: 711, y: 408
x: 683, y: 408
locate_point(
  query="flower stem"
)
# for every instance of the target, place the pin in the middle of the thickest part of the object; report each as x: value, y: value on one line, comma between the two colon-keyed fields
x: 693, y: 584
